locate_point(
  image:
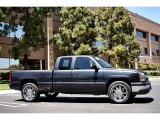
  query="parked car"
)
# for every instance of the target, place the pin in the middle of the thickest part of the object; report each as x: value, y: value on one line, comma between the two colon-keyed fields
x: 81, y: 74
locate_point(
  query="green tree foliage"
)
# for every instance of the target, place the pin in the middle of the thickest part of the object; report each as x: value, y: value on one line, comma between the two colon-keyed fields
x: 2, y: 15
x: 78, y: 32
x: 32, y: 22
x: 115, y: 25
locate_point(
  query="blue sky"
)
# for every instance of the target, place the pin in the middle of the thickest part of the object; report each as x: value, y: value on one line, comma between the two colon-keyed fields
x: 152, y: 13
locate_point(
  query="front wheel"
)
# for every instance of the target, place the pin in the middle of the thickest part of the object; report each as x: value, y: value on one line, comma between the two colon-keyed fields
x: 51, y: 94
x: 119, y: 92
x: 29, y: 92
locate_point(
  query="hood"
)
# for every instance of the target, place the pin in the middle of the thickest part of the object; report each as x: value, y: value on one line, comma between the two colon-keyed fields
x: 124, y: 70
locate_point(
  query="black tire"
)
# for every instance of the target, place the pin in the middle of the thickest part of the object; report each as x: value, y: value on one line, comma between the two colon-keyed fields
x: 119, y: 92
x: 51, y: 95
x: 30, y: 92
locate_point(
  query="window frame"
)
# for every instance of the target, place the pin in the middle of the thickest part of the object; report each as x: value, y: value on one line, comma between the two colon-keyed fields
x: 143, y: 34
x: 156, y: 39
x: 70, y: 63
x: 83, y: 68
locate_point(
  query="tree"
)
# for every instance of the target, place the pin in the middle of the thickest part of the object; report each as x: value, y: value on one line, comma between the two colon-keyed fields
x: 78, y: 32
x: 116, y: 27
x: 32, y: 22
x: 2, y: 15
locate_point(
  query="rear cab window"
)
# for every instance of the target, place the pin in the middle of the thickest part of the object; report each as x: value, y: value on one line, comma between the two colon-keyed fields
x: 65, y: 63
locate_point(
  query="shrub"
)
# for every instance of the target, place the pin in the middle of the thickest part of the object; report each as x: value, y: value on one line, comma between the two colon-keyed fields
x: 153, y: 73
x: 4, y: 75
x: 143, y: 66
x: 150, y: 66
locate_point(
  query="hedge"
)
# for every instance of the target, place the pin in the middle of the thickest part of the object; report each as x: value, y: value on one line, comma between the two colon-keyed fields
x: 4, y: 75
x: 153, y: 73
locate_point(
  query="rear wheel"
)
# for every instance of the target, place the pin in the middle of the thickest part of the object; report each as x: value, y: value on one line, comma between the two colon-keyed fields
x: 29, y: 92
x: 51, y: 94
x: 119, y: 92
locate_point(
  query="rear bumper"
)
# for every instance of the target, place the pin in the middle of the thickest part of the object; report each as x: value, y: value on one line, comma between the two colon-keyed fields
x: 141, y: 87
x: 15, y: 86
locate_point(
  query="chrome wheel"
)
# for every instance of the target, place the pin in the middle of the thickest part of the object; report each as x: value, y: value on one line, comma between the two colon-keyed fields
x: 29, y: 92
x: 119, y: 92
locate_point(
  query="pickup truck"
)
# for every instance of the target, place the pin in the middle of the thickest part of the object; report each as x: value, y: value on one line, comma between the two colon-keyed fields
x: 81, y: 74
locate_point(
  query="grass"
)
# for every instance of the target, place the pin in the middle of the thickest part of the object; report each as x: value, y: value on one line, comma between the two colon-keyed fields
x: 4, y: 85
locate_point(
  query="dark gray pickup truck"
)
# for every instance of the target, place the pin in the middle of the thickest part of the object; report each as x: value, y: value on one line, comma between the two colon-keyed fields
x: 81, y: 75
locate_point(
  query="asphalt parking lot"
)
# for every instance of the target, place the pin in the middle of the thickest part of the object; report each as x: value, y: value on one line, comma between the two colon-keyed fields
x: 150, y: 103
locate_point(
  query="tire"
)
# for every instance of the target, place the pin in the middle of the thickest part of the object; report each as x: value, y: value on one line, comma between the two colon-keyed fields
x: 51, y: 95
x: 30, y: 92
x: 119, y: 92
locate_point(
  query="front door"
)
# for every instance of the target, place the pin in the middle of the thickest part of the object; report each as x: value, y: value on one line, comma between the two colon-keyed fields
x: 84, y: 77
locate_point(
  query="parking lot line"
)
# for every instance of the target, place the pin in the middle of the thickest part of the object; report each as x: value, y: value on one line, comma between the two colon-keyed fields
x: 11, y: 104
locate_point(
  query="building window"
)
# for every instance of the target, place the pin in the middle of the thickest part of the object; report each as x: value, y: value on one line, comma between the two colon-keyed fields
x: 18, y: 33
x: 141, y: 34
x: 144, y: 51
x: 155, y: 52
x: 7, y: 63
x: 154, y: 37
x: 99, y: 43
x: 33, y: 64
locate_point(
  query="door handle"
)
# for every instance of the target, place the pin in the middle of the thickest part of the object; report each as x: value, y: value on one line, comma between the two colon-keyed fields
x: 75, y: 74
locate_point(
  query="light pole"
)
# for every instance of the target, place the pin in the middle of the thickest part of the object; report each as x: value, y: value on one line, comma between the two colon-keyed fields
x: 48, y: 55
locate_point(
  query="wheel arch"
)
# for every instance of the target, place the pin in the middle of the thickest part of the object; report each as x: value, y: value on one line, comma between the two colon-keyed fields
x: 117, y: 79
x: 24, y: 81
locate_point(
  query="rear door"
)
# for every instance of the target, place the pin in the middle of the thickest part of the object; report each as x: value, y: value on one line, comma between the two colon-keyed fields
x: 63, y: 76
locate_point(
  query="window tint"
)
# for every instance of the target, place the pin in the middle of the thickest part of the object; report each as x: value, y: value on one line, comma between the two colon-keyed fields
x: 144, y: 51
x: 155, y: 52
x: 65, y: 63
x: 83, y: 63
x: 141, y: 34
x: 154, y: 38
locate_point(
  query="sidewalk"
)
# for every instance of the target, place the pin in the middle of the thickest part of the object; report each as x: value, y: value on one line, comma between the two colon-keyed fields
x: 2, y: 92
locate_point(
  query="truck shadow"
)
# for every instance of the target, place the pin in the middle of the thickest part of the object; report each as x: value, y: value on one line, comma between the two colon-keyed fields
x: 137, y: 100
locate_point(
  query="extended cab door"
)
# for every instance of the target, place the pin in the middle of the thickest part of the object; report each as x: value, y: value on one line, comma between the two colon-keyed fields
x: 62, y: 75
x: 84, y: 77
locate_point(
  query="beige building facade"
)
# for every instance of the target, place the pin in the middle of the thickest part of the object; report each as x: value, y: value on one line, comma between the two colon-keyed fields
x: 147, y: 31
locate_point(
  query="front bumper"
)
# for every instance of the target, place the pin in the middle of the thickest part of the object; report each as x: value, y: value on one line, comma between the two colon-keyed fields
x: 141, y: 87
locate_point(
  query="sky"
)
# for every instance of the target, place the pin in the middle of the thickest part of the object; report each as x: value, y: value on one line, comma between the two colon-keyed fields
x: 152, y: 13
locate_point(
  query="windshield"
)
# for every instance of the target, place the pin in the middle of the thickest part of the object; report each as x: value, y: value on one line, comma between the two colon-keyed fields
x: 103, y: 63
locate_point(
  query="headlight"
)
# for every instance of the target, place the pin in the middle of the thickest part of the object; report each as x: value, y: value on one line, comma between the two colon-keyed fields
x: 142, y: 76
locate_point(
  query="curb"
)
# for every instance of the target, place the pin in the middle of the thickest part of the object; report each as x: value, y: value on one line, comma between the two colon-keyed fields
x: 154, y: 78
x: 3, y: 92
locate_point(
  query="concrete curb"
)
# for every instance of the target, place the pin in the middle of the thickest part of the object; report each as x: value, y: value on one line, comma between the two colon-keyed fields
x: 2, y: 92
x: 154, y: 78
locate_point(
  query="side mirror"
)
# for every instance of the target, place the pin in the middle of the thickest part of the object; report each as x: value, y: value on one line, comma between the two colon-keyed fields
x: 95, y: 67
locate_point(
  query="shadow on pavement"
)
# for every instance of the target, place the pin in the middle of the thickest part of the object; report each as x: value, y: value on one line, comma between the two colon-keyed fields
x: 137, y: 100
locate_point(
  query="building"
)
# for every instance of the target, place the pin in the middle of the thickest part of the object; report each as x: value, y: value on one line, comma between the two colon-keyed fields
x: 147, y: 31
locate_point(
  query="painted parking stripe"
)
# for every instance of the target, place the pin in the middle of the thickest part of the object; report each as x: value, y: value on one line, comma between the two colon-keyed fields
x: 10, y: 104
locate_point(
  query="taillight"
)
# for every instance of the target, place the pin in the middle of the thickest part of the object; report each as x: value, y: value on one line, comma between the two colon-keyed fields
x: 10, y: 76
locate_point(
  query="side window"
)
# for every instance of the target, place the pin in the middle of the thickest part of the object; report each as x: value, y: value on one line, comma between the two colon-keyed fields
x: 65, y: 63
x: 83, y: 63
